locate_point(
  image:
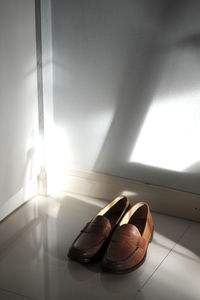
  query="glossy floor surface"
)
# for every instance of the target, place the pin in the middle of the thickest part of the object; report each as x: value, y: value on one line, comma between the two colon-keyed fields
x: 34, y: 265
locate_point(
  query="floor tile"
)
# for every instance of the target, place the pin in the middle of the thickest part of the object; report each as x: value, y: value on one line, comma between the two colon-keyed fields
x: 33, y: 261
x: 189, y: 245
x: 178, y: 276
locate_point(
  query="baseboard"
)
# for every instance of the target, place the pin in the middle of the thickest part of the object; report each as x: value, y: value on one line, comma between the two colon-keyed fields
x: 24, y: 194
x: 161, y: 199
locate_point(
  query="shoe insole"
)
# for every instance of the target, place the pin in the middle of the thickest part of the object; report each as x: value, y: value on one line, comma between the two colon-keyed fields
x: 139, y: 223
x: 114, y: 213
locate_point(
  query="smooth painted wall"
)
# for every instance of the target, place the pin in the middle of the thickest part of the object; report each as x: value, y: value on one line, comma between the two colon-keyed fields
x: 126, y: 88
x: 18, y: 97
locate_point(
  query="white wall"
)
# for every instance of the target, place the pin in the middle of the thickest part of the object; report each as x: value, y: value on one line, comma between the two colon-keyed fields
x: 126, y: 81
x: 18, y: 103
x: 47, y: 57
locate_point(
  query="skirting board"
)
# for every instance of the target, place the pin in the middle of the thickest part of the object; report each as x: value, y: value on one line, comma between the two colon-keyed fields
x: 23, y: 195
x: 161, y: 199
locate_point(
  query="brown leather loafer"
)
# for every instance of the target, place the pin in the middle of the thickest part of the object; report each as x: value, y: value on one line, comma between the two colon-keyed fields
x: 129, y: 242
x: 91, y: 241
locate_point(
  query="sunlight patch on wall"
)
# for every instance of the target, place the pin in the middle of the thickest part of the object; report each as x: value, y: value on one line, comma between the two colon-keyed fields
x: 170, y: 138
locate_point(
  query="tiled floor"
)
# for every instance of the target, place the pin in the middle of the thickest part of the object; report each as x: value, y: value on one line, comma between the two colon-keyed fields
x: 34, y: 265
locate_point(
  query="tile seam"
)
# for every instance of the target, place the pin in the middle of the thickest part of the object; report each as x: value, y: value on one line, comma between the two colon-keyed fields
x: 17, y: 294
x: 175, y: 243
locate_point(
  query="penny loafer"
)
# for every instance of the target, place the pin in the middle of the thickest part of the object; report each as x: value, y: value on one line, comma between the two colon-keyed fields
x: 92, y: 241
x: 128, y: 245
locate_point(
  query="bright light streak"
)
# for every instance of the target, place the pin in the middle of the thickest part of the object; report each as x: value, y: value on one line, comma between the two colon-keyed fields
x: 57, y: 158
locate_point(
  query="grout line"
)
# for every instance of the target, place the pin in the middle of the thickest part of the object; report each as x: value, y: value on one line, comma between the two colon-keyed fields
x: 180, y: 237
x: 17, y: 294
